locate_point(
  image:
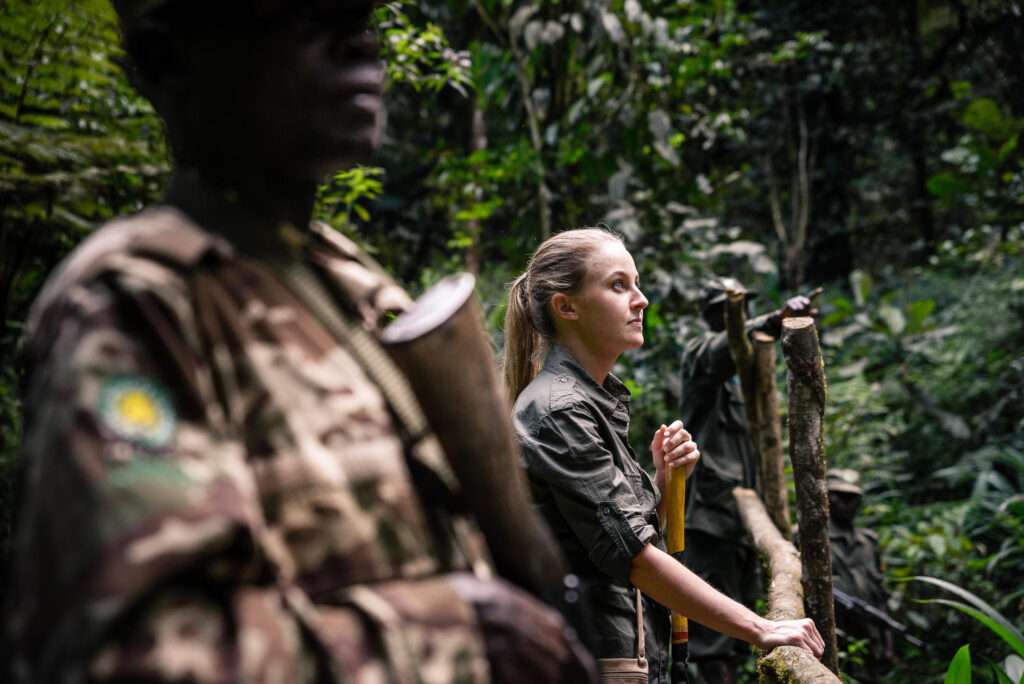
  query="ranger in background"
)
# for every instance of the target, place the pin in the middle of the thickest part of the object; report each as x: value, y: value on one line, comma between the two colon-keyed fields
x: 712, y: 410
x: 857, y: 574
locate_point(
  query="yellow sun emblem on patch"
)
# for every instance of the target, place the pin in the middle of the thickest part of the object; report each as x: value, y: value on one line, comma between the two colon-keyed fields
x: 137, y: 409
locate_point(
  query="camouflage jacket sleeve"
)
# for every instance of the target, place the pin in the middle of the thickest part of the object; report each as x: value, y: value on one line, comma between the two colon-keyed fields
x: 139, y: 553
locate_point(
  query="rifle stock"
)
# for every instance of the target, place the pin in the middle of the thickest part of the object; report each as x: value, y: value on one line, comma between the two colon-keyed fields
x: 441, y: 346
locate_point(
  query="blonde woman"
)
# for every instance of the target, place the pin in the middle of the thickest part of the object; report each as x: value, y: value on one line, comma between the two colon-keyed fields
x: 570, y: 316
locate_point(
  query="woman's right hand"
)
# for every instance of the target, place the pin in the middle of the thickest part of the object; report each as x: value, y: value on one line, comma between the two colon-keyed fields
x: 672, y: 447
x: 800, y: 633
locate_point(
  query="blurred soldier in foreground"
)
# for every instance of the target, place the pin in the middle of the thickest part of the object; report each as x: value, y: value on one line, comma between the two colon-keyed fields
x: 221, y: 489
x: 712, y: 410
x: 857, y: 574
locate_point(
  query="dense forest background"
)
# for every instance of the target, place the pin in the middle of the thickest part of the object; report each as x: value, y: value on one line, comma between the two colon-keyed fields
x: 870, y: 148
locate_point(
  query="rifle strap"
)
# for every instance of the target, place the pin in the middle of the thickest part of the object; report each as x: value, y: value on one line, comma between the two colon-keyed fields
x: 421, y: 442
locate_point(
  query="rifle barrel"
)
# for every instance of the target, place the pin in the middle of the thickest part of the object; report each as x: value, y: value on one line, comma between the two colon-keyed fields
x: 859, y: 605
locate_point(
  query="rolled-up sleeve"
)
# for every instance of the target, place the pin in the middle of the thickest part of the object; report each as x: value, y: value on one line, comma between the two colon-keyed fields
x: 568, y: 454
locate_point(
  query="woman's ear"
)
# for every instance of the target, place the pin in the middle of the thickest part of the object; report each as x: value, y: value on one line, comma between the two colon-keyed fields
x: 563, y: 308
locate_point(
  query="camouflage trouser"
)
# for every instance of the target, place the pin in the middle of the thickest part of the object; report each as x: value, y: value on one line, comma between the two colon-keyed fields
x: 734, y: 570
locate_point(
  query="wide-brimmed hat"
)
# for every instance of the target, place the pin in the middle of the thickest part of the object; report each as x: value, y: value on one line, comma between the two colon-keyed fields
x: 715, y: 289
x: 843, y: 480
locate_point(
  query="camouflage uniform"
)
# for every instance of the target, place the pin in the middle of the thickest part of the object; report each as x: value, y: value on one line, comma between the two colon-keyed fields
x: 217, y: 492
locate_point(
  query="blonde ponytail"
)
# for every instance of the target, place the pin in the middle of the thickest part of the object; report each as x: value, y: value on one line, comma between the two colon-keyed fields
x: 521, y: 339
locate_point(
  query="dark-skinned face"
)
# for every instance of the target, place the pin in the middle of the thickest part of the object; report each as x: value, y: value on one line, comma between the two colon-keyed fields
x: 715, y: 315
x: 843, y: 507
x: 294, y: 94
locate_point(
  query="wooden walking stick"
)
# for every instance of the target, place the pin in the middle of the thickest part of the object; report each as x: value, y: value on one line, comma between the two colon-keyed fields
x: 676, y: 541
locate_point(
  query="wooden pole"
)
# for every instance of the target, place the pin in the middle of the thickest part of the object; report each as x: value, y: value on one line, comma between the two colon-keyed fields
x: 785, y: 596
x: 806, y: 383
x: 769, y: 434
x: 675, y: 542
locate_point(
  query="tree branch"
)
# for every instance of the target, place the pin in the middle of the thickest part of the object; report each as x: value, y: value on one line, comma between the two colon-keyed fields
x: 785, y: 664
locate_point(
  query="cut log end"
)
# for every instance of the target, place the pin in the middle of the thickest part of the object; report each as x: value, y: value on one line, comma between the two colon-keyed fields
x: 796, y: 323
x: 735, y: 296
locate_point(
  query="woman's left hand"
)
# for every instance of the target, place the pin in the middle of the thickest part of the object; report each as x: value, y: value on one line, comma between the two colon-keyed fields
x: 673, y: 447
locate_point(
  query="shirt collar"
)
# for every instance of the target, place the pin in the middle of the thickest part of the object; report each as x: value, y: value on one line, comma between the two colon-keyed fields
x: 611, y: 397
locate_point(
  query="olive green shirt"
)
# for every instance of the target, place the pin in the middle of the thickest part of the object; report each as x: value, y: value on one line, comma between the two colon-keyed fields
x: 599, y: 502
x: 712, y: 411
x: 857, y: 570
x: 856, y: 564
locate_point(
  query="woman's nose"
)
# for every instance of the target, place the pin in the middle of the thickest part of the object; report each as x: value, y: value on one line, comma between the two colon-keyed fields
x: 639, y: 300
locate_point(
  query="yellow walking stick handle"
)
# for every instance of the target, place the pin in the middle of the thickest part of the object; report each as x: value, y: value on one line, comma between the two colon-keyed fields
x: 676, y: 508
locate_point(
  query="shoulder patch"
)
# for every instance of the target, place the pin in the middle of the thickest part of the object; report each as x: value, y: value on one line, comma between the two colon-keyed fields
x: 137, y: 409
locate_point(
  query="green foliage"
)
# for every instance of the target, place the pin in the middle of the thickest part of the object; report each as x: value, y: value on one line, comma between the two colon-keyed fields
x: 924, y: 399
x: 959, y: 671
x: 977, y: 608
x: 419, y: 55
x: 77, y: 147
x: 701, y: 131
x: 349, y: 192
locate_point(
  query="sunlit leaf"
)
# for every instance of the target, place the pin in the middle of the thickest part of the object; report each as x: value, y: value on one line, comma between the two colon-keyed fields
x: 984, y: 115
x: 1013, y: 666
x: 959, y: 671
x: 613, y: 27
x: 862, y: 284
x: 893, y: 319
x: 917, y: 313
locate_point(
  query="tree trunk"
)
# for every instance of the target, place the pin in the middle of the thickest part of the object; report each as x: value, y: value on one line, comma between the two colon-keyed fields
x: 769, y: 434
x: 806, y: 381
x: 477, y: 142
x: 785, y: 595
x: 743, y: 358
